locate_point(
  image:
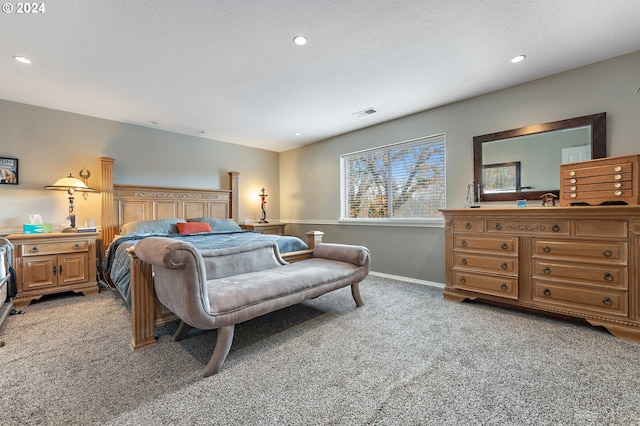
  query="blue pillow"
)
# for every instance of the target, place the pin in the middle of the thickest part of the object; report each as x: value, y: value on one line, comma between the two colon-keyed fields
x: 151, y: 227
x: 218, y: 225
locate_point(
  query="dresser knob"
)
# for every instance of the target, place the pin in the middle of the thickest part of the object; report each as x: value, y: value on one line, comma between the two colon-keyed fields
x: 468, y: 225
x: 504, y: 265
x: 608, y: 277
x: 607, y: 301
x: 617, y: 169
x: 572, y: 173
x: 617, y: 185
x: 607, y: 253
x: 497, y: 226
x: 617, y: 177
x: 555, y: 227
x: 546, y: 249
x: 463, y: 243
x: 76, y: 246
x: 546, y: 270
x: 618, y: 193
x: 35, y: 249
x: 574, y: 195
x: 546, y: 292
x: 572, y: 181
x: 573, y: 188
x: 463, y: 261
x: 504, y: 246
x: 462, y: 280
x: 504, y: 287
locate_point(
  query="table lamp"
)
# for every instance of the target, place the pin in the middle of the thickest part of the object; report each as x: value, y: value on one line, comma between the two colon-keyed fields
x: 71, y: 185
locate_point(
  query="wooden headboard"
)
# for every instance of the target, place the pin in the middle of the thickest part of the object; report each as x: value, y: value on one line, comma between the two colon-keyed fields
x: 127, y: 203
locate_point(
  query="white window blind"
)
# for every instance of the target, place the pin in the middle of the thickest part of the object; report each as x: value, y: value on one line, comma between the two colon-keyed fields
x: 399, y: 181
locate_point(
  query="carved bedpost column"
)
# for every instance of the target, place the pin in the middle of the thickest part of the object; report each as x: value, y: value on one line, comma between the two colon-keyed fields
x: 142, y: 302
x: 107, y: 209
x: 233, y: 203
x: 313, y: 238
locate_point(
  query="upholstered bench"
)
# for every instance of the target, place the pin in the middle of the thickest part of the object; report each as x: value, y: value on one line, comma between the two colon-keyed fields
x: 216, y: 289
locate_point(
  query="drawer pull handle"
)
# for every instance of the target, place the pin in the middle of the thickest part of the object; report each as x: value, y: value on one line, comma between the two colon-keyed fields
x: 573, y: 195
x: 617, y: 177
x: 546, y: 270
x: 546, y: 292
x: 573, y: 188
x: 617, y: 169
x: 504, y: 265
x: 573, y: 181
x: 463, y: 261
x: 607, y: 253
x: 608, y: 277
x: 618, y: 193
x: 555, y: 227
x: 468, y: 225
x: 504, y: 287
x: 462, y: 280
x: 60, y: 269
x: 572, y: 173
x: 546, y: 249
x: 497, y: 226
x: 463, y: 243
x: 617, y: 185
x: 76, y: 246
x: 54, y: 270
x: 504, y: 246
x: 35, y: 249
x: 607, y: 301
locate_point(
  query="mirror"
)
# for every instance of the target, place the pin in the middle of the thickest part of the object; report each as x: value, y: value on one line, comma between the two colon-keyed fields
x: 524, y: 163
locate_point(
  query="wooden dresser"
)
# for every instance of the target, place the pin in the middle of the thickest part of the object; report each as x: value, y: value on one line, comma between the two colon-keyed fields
x: 53, y: 263
x: 579, y: 262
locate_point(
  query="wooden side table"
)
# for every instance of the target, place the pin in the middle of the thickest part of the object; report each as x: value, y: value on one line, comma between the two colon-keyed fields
x: 53, y: 263
x: 265, y: 228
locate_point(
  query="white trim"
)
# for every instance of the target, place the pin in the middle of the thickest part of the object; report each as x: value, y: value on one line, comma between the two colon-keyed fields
x: 422, y: 223
x: 407, y: 279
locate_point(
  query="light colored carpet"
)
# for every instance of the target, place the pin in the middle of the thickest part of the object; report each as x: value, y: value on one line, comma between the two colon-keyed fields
x: 405, y: 358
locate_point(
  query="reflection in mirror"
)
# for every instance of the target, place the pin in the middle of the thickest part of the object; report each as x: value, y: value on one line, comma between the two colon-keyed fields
x: 538, y: 151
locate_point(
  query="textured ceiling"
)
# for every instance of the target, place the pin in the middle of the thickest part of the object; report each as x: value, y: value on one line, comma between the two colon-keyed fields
x: 231, y: 69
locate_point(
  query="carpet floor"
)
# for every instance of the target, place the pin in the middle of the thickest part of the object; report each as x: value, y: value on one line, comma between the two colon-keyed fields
x: 407, y: 357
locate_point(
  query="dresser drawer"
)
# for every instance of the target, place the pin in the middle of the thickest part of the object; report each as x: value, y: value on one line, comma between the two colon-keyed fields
x: 600, y: 228
x: 498, y: 286
x: 582, y: 299
x: 606, y: 276
x: 468, y: 225
x: 484, y: 244
x: 606, y: 167
x: 559, y: 227
x: 35, y: 249
x: 599, y: 251
x: 493, y: 264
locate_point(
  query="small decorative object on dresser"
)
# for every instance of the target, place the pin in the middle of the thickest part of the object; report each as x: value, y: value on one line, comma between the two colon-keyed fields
x: 581, y: 262
x: 263, y: 197
x: 611, y: 180
x: 265, y: 228
x: 53, y: 263
x: 548, y: 199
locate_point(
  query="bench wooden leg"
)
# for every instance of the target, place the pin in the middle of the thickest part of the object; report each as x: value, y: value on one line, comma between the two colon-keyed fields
x: 181, y: 332
x: 355, y: 292
x: 220, y: 352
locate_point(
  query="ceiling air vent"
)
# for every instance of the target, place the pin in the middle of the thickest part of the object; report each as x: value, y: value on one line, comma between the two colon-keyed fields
x: 365, y: 112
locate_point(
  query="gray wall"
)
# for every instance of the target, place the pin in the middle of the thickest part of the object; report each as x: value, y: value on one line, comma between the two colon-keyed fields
x: 310, y: 176
x: 50, y: 144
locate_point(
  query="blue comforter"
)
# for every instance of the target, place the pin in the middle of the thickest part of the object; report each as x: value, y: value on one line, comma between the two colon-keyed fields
x: 116, y: 261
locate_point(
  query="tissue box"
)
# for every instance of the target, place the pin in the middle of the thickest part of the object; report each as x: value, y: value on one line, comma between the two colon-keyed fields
x: 36, y: 228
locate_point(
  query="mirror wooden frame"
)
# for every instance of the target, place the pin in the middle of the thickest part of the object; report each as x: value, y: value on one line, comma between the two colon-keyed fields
x: 598, y: 123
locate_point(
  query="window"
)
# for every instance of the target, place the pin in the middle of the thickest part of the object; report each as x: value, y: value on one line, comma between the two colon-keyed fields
x: 501, y: 177
x: 399, y: 181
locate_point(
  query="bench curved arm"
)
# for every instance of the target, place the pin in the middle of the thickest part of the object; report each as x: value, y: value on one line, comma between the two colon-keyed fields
x: 357, y: 255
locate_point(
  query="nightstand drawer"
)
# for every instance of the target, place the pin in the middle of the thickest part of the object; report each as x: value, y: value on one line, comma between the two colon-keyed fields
x: 35, y: 249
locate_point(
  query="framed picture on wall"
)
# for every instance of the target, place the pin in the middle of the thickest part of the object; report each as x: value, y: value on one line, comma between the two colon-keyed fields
x: 8, y: 171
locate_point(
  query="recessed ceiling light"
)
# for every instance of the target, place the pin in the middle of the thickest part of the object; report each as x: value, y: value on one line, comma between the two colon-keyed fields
x: 300, y: 40
x: 518, y: 58
x: 298, y: 134
x: 22, y: 59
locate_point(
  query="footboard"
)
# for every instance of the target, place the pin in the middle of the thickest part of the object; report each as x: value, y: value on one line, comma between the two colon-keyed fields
x: 147, y: 311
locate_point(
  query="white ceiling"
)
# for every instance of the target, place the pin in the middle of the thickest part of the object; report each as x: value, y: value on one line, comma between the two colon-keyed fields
x: 230, y: 67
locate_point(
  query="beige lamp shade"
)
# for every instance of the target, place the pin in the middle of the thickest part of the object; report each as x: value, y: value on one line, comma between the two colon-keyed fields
x: 70, y: 183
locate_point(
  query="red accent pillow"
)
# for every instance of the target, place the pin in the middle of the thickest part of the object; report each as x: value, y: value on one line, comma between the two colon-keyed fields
x: 193, y: 227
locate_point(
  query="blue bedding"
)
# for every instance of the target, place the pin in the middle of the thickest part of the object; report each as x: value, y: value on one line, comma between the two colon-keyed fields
x: 116, y: 261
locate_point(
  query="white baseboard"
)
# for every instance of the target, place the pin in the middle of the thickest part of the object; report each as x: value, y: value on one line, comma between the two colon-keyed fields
x: 407, y: 279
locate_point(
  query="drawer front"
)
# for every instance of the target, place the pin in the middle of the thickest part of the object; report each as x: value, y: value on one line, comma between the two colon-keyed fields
x: 582, y: 299
x: 587, y: 181
x: 35, y: 249
x: 587, y: 195
x: 507, y: 246
x: 601, y: 228
x: 497, y: 286
x: 606, y: 276
x: 560, y: 227
x: 498, y: 265
x: 599, y: 251
x: 468, y: 225
x: 620, y: 167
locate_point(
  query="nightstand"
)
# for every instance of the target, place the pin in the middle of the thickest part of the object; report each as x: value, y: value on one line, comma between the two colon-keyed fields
x: 265, y: 228
x: 53, y: 263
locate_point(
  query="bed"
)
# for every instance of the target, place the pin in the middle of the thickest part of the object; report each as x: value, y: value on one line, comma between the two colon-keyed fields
x: 131, y: 208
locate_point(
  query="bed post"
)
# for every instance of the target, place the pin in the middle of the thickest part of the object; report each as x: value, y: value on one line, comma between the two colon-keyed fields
x: 107, y: 211
x: 233, y: 202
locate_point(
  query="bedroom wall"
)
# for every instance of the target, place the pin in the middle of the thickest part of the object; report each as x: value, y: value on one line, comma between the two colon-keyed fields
x: 50, y: 144
x: 418, y: 251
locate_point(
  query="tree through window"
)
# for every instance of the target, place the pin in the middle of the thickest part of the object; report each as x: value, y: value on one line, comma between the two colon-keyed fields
x: 400, y: 181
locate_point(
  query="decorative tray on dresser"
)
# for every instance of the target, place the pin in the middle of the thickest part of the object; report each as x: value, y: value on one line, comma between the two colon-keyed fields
x: 581, y: 262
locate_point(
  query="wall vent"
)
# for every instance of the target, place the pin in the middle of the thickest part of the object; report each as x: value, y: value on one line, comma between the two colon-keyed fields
x: 365, y: 112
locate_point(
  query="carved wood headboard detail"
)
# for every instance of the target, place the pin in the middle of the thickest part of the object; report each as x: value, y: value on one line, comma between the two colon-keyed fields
x: 126, y: 203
